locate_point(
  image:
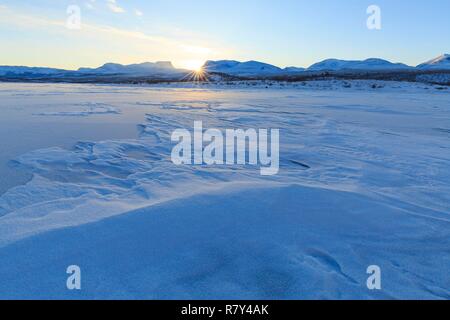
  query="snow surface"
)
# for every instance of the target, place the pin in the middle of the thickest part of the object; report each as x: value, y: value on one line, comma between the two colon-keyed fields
x: 364, y: 180
x: 84, y: 110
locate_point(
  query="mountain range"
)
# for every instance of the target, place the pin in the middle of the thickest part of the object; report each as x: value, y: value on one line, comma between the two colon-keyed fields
x: 248, y: 68
x: 369, y: 64
x: 441, y: 62
x: 162, y: 67
x: 230, y: 67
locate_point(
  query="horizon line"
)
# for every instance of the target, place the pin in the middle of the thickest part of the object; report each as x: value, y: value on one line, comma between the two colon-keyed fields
x: 227, y: 59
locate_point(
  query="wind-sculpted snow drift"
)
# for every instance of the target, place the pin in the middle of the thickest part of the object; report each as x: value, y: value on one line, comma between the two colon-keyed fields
x: 364, y: 179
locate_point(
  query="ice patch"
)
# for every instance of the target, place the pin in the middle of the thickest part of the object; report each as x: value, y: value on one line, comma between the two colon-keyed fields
x: 86, y: 110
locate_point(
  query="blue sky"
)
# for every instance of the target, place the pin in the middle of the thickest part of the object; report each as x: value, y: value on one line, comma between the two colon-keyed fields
x: 188, y: 32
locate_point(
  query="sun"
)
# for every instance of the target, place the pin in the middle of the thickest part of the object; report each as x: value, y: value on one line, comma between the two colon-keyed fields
x: 194, y: 65
x: 197, y: 72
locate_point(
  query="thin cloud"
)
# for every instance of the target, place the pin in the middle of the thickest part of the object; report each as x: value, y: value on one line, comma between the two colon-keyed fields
x: 90, y: 4
x: 114, y: 7
x: 139, y: 13
x: 184, y: 49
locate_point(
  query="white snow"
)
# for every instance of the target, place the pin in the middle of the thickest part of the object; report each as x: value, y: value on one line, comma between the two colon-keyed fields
x: 440, y: 63
x: 364, y: 179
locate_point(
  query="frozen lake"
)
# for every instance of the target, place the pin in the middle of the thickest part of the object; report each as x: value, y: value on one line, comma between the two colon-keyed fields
x: 87, y: 179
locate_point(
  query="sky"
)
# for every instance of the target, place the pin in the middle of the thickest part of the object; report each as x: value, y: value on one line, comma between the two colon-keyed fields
x: 189, y: 32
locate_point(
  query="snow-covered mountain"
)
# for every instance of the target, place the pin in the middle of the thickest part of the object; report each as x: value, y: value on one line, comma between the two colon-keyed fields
x: 249, y: 68
x: 294, y: 69
x: 165, y: 69
x: 160, y: 67
x: 20, y: 70
x: 255, y: 68
x: 147, y: 68
x: 440, y: 63
x: 369, y: 64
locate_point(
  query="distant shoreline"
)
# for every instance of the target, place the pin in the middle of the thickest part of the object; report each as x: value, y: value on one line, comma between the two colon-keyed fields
x: 439, y: 77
